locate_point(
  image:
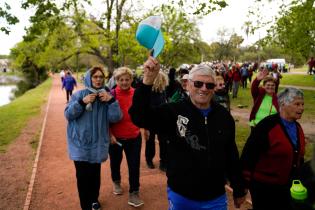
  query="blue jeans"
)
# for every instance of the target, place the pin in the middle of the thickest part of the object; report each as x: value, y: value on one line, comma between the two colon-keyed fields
x: 179, y: 202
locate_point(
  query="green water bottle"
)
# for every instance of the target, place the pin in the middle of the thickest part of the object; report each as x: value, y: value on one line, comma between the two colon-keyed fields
x: 298, y: 191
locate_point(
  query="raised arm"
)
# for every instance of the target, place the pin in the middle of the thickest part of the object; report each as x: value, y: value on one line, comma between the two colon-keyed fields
x: 255, y: 85
x: 151, y: 69
x: 140, y: 107
x: 141, y: 112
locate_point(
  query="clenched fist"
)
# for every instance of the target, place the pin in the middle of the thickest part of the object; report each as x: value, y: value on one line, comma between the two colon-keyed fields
x: 104, y: 96
x: 89, y: 98
x: 151, y: 69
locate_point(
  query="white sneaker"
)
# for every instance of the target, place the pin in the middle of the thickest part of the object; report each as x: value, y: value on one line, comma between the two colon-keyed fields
x: 134, y: 199
x: 117, y: 189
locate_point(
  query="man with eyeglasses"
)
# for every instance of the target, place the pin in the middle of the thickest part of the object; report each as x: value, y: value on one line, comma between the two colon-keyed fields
x: 201, y: 151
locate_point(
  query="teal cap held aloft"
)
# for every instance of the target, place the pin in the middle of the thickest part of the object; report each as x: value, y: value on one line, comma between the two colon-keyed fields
x: 150, y: 36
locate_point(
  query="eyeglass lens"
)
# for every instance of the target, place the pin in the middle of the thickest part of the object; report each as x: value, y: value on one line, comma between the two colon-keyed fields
x: 199, y: 84
x: 97, y: 77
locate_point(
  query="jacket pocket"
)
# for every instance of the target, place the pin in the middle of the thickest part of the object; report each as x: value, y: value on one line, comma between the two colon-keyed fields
x: 83, y: 139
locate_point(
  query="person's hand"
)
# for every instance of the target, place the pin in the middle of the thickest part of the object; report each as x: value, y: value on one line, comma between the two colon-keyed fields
x: 146, y: 134
x: 151, y: 69
x: 113, y: 139
x: 239, y: 201
x: 105, y: 96
x: 262, y: 74
x: 89, y: 98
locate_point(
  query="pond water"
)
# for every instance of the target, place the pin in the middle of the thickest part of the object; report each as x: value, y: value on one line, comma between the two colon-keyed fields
x: 6, y: 94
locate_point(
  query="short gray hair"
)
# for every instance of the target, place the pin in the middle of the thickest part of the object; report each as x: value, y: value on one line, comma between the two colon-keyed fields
x: 201, y: 69
x: 287, y: 95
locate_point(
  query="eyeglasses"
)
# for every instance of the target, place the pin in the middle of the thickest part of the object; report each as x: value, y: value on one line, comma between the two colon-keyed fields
x: 199, y: 84
x: 221, y: 85
x: 97, y: 77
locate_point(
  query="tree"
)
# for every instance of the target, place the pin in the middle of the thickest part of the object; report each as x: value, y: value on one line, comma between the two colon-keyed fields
x: 228, y: 45
x: 7, y: 17
x: 107, y: 27
x: 196, y: 7
x: 26, y: 58
x: 295, y: 32
x: 292, y: 30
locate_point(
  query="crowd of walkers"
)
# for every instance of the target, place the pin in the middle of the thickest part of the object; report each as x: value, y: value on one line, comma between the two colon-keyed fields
x: 188, y: 112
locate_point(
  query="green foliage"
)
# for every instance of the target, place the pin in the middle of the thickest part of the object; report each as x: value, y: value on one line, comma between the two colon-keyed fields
x: 195, y: 7
x: 228, y: 46
x: 27, y: 57
x: 15, y: 115
x: 130, y: 52
x: 8, y: 18
x: 4, y: 56
x: 294, y: 31
x: 182, y: 37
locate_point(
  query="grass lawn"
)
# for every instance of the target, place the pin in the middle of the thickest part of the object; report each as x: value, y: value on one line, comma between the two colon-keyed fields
x: 243, y: 129
x: 300, y: 69
x: 298, y: 80
x: 14, y: 116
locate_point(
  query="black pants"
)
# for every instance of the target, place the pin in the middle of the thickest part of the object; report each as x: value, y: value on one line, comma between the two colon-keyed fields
x: 132, y: 148
x: 244, y: 82
x: 150, y: 148
x: 69, y: 93
x: 270, y: 197
x: 88, y: 182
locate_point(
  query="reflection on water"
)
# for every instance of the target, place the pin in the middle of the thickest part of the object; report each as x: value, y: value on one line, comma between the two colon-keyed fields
x: 6, y: 94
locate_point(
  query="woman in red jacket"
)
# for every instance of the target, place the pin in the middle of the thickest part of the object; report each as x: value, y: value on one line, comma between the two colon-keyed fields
x: 125, y: 136
x: 236, y: 78
x: 274, y: 153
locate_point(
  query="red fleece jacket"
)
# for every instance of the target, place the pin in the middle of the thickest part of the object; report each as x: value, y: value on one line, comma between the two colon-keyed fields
x: 124, y: 129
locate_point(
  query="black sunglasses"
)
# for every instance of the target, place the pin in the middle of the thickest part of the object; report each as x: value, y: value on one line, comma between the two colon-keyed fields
x: 199, y: 84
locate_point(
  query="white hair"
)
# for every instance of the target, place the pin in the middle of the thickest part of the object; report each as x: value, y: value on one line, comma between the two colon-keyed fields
x: 287, y: 95
x: 201, y: 69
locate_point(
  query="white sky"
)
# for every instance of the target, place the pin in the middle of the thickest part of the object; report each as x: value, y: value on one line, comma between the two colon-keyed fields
x: 231, y: 18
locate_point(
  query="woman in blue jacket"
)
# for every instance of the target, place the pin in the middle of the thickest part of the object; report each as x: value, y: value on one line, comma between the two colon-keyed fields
x: 89, y: 113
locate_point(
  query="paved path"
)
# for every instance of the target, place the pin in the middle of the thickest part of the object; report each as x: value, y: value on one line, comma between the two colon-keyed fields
x: 55, y: 183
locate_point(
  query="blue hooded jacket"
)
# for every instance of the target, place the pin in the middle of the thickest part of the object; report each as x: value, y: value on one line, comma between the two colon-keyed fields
x: 88, y: 131
x: 69, y: 83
